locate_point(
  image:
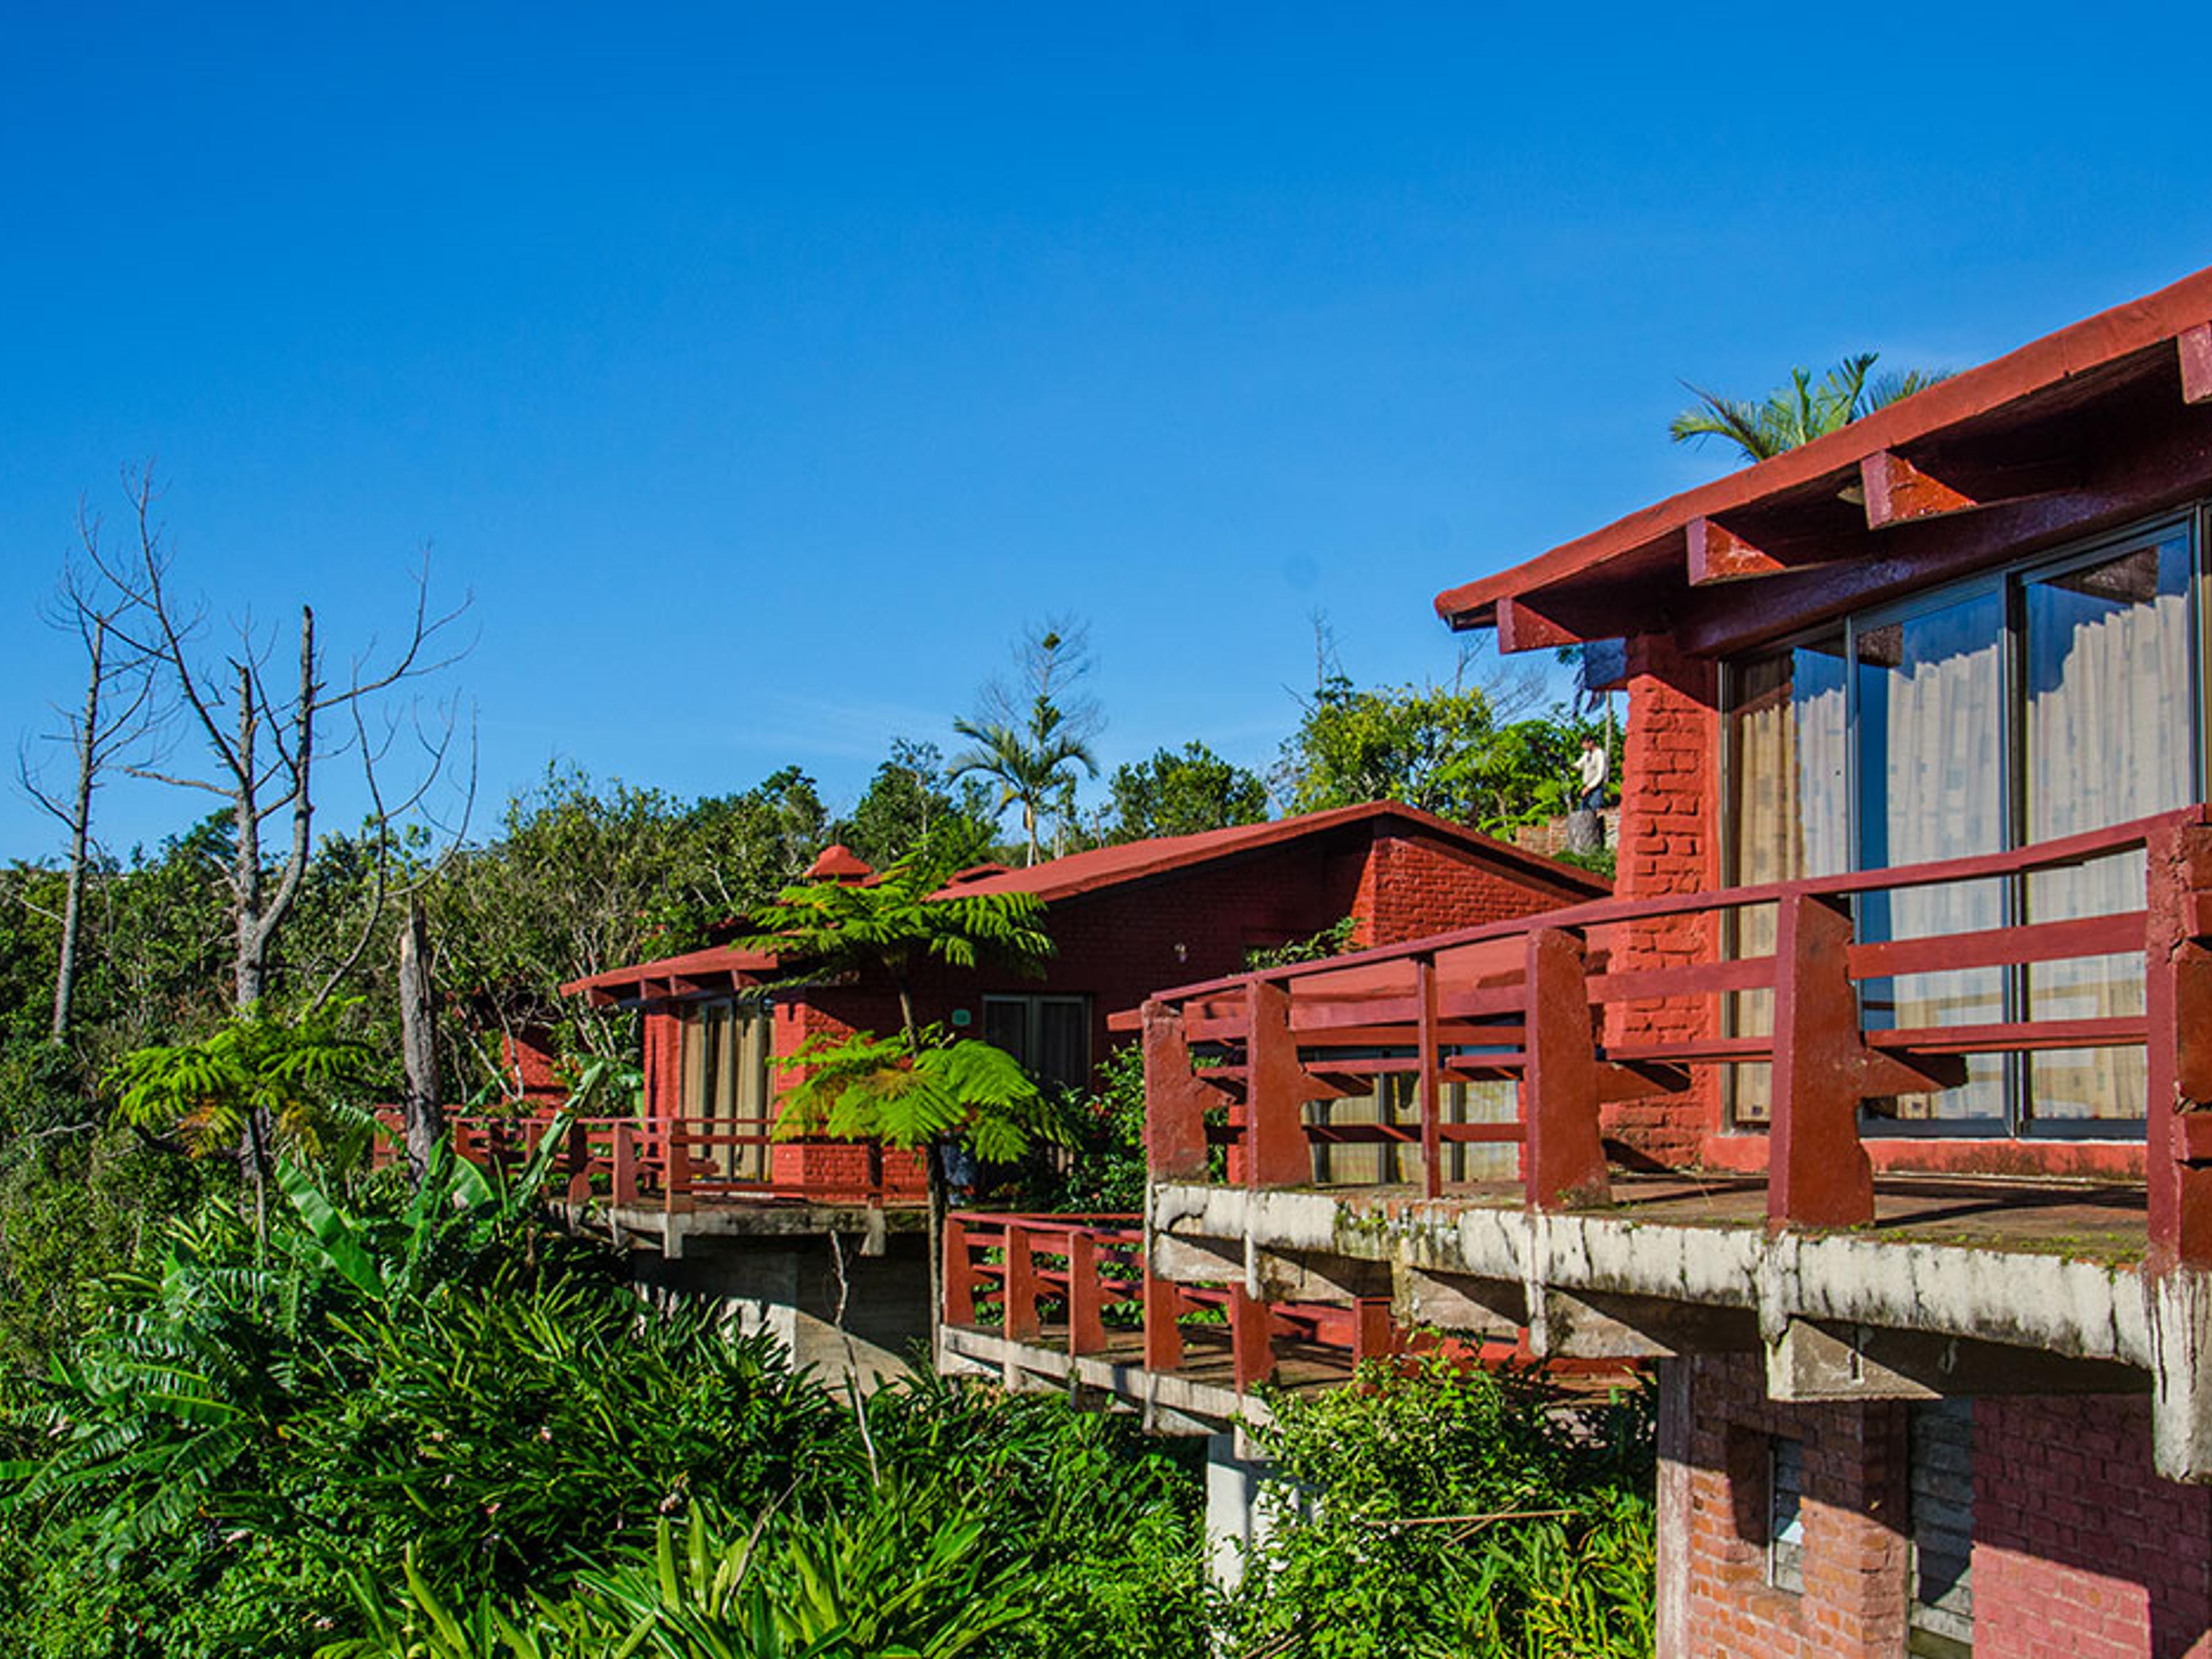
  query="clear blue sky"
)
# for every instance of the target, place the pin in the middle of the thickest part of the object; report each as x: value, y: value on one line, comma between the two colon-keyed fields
x: 760, y: 370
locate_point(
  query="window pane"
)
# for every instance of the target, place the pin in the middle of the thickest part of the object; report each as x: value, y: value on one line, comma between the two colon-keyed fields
x: 1787, y: 814
x: 1063, y: 1056
x: 2108, y: 738
x: 1931, y: 786
x: 1005, y: 1025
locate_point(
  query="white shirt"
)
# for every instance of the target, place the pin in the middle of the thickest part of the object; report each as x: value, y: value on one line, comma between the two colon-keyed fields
x: 1591, y: 765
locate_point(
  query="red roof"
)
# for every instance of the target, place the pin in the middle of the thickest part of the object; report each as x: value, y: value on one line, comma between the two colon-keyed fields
x: 2076, y: 362
x: 839, y: 862
x: 1108, y: 867
x: 713, y: 968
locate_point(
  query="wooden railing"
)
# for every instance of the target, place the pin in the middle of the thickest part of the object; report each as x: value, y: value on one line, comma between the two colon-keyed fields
x: 1082, y: 1285
x: 673, y: 1163
x: 1550, y: 1004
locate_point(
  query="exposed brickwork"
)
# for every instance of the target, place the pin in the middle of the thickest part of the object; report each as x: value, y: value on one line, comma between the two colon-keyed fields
x: 1414, y: 886
x: 527, y: 1055
x: 1855, y: 1550
x: 1669, y: 844
x: 2080, y: 1550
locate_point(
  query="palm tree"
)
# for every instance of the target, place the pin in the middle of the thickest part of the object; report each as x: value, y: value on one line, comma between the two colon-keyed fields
x: 1032, y: 763
x: 1799, y: 412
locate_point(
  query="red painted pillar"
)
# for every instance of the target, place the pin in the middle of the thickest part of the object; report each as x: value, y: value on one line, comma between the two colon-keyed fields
x: 625, y: 1163
x: 1561, y: 1156
x: 959, y: 1274
x: 1174, y: 1100
x: 1251, y: 1350
x: 1086, y: 1297
x: 2178, y: 1000
x: 1021, y: 1302
x: 1428, y: 1081
x: 1818, y: 1173
x: 1275, y: 1091
x: 1162, y: 1336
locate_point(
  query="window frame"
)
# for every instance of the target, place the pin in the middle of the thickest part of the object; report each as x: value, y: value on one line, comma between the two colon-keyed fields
x: 2007, y: 580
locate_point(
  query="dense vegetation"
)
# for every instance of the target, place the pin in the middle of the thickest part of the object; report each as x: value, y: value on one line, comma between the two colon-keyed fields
x: 257, y: 1400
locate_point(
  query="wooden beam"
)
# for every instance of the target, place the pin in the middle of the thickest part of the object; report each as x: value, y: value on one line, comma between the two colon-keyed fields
x: 1521, y: 627
x: 1899, y: 492
x: 1718, y: 554
x: 2196, y: 348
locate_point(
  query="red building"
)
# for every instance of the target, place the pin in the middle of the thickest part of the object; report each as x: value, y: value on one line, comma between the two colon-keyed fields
x: 1874, y: 1111
x: 1123, y: 920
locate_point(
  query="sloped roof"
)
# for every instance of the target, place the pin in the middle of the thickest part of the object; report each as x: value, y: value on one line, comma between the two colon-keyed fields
x: 716, y: 967
x: 724, y: 966
x: 1135, y: 860
x: 2154, y: 340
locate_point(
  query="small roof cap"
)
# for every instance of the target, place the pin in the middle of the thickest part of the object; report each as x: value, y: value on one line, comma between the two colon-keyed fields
x: 839, y: 862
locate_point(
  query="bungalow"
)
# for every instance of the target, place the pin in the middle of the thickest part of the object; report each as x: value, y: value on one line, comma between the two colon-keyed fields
x: 1874, y: 1111
x: 718, y: 1203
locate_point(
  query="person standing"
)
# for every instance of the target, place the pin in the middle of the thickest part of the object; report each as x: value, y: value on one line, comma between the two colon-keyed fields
x: 1590, y: 768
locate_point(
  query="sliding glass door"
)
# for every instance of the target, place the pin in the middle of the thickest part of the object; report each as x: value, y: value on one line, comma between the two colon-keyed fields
x: 2016, y: 709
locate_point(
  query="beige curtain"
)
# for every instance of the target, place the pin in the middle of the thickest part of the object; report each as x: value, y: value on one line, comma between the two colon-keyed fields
x: 2108, y: 727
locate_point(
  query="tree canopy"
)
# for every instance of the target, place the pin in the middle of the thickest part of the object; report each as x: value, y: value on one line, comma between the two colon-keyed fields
x: 1799, y: 412
x: 1182, y: 793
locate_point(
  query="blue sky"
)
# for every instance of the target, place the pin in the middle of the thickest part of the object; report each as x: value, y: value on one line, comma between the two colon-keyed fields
x: 760, y: 370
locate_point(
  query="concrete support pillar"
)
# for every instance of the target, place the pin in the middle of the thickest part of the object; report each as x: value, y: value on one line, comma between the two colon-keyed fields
x: 1234, y: 1523
x: 1671, y: 1621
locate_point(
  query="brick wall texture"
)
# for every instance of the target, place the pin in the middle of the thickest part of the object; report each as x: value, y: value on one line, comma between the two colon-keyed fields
x: 1669, y: 843
x: 2079, y: 1551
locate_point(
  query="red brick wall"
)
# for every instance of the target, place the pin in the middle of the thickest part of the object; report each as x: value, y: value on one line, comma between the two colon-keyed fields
x: 528, y: 1057
x: 1854, y: 1597
x: 1414, y: 886
x: 2080, y: 1550
x: 1669, y: 844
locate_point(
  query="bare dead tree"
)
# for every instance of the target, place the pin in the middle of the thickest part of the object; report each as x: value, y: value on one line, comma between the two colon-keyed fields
x: 262, y: 732
x: 422, y: 1106
x: 115, y: 717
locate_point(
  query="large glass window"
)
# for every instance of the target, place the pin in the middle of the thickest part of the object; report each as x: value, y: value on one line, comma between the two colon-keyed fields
x: 726, y: 1046
x: 2107, y: 739
x: 2012, y: 709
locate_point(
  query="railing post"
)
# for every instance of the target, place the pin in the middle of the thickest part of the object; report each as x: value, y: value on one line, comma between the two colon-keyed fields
x: 624, y: 1184
x: 1087, y: 1298
x: 1562, y: 1155
x: 1174, y: 1100
x: 959, y: 1274
x: 1021, y: 1282
x: 1430, y: 1078
x: 576, y: 1162
x: 1162, y: 1336
x: 1276, y: 1087
x: 2178, y: 1002
x: 1252, y: 1352
x: 1374, y: 1332
x: 1818, y: 1173
x: 676, y: 1164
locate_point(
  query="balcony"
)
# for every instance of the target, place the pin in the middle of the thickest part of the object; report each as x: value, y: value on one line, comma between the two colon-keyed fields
x: 1862, y: 1263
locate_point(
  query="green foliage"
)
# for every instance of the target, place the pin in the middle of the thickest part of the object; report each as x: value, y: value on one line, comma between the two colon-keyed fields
x: 913, y: 1092
x: 1333, y: 941
x: 1103, y: 1131
x: 583, y: 878
x: 422, y: 1370
x: 911, y: 804
x: 890, y: 924
x: 1797, y: 413
x: 1182, y: 793
x: 1441, y: 749
x: 288, y: 1073
x: 1450, y: 1512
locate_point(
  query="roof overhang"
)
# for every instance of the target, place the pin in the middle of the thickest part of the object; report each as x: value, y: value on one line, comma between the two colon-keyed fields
x: 720, y: 971
x: 2106, y: 422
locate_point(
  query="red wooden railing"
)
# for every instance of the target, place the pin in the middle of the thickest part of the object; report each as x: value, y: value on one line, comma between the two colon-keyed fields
x: 626, y: 1161
x: 1005, y: 1273
x: 1532, y: 1001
